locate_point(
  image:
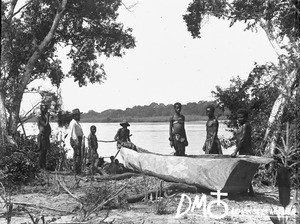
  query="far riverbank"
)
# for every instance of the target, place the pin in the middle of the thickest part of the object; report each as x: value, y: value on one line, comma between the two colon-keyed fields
x: 144, y: 119
x: 156, y: 119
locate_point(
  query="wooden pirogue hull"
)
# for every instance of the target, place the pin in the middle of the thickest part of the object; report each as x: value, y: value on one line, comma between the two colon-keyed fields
x: 214, y: 172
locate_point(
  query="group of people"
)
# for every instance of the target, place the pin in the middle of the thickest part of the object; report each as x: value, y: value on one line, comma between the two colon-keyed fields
x: 75, y: 133
x: 212, y: 145
x: 177, y: 137
x: 76, y: 141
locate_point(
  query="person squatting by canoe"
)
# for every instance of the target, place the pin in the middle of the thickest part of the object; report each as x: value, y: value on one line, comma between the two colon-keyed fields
x: 243, y: 139
x: 76, y: 136
x: 177, y: 134
x: 123, y: 137
x: 44, y: 135
x: 212, y: 143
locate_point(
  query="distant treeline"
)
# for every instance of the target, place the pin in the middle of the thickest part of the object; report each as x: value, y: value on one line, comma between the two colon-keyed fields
x: 152, y: 113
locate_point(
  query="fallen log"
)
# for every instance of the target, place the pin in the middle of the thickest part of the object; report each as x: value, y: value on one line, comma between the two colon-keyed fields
x: 178, y: 187
x: 116, y: 176
x: 42, y: 207
x: 174, y: 188
x: 63, y: 173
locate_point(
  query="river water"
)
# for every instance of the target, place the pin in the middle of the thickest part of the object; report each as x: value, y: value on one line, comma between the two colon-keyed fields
x: 152, y: 136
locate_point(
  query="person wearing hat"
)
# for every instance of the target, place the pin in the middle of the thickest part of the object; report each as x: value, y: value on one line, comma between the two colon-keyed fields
x: 76, y: 136
x: 123, y: 136
x: 44, y: 135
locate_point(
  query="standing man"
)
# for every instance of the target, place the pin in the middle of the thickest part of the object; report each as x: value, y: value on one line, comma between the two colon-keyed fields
x: 76, y: 136
x: 44, y: 135
x: 243, y: 135
x: 177, y: 133
x: 212, y: 143
x: 243, y: 139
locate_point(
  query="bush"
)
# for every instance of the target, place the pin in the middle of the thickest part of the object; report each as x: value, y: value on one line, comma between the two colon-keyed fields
x: 18, y: 163
x: 53, y: 156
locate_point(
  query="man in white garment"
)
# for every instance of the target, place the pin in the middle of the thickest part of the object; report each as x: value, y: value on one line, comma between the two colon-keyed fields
x: 76, y: 136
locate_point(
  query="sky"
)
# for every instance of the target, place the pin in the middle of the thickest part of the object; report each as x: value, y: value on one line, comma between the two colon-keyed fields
x: 168, y: 65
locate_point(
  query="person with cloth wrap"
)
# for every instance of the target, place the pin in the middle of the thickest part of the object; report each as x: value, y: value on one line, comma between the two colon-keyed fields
x: 212, y: 143
x: 177, y: 134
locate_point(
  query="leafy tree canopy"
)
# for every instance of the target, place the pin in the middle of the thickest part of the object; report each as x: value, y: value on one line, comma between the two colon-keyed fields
x: 281, y: 22
x: 284, y: 16
x: 88, y: 28
x: 32, y: 34
x: 279, y: 19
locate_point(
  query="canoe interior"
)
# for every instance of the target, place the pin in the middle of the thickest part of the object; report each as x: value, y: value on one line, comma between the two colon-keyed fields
x: 214, y: 172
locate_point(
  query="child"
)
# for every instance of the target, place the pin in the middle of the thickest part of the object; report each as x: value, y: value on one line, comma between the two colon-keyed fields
x: 177, y: 133
x: 92, y: 153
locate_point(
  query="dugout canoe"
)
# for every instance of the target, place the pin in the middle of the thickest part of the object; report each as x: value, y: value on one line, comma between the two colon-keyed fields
x: 213, y: 172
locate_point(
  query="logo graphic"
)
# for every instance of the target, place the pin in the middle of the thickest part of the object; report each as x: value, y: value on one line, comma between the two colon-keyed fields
x: 207, y: 208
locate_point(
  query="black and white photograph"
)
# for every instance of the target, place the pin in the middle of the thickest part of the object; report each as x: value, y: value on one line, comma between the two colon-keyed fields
x: 140, y: 112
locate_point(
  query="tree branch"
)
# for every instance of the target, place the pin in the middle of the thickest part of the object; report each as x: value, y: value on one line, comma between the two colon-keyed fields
x: 265, y: 25
x: 67, y: 190
x: 11, y: 10
x: 31, y: 109
x: 130, y: 7
x: 294, y: 6
x: 23, y: 120
x: 20, y: 9
x: 111, y: 197
x: 36, y: 55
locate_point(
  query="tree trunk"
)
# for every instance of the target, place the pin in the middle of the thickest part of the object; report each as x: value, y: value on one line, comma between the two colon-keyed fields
x: 17, y: 99
x: 276, y: 113
x: 3, y: 118
x: 279, y: 105
x: 4, y: 50
x: 14, y: 115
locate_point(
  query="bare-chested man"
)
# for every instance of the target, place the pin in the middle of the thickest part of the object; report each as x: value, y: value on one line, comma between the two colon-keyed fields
x: 243, y: 139
x: 212, y: 144
x: 44, y: 135
x: 177, y: 133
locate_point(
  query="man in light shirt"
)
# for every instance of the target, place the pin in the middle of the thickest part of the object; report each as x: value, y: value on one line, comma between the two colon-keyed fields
x: 76, y: 136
